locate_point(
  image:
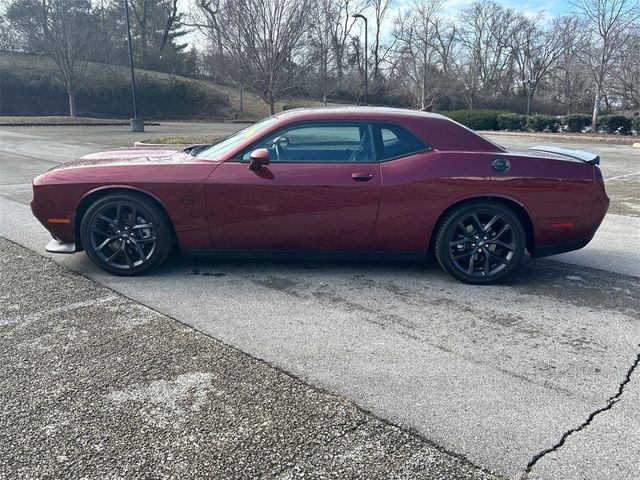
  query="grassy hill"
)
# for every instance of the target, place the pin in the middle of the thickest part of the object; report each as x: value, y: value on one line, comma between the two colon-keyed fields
x: 28, y: 86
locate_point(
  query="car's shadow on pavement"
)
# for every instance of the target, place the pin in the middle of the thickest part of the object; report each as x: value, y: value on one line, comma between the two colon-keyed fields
x: 535, y: 276
x: 542, y: 277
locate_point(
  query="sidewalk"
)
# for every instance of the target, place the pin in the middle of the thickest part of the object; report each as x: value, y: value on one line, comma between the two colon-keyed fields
x: 94, y: 384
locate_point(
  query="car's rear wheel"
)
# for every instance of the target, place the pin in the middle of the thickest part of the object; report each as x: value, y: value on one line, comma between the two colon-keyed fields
x: 126, y: 234
x: 480, y: 243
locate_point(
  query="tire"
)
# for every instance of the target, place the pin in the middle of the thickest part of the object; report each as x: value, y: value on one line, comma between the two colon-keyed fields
x: 480, y: 243
x: 126, y: 234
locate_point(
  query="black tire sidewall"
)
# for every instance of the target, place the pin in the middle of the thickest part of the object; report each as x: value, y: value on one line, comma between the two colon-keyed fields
x: 447, y: 227
x: 157, y: 217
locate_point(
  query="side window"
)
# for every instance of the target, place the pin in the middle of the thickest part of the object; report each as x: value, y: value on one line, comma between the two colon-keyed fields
x: 395, y: 141
x: 318, y: 142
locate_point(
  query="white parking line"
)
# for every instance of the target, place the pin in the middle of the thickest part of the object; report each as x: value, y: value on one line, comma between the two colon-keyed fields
x: 622, y: 176
x: 53, y: 311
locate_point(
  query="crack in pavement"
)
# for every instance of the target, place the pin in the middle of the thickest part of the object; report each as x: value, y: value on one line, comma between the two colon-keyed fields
x: 610, y: 403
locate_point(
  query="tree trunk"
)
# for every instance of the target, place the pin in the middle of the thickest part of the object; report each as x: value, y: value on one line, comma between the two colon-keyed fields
x: 324, y: 80
x: 594, y: 118
x: 423, y: 88
x: 72, y: 104
x: 272, y: 105
x: 241, y: 98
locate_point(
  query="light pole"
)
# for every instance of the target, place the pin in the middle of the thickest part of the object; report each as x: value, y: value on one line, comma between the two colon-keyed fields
x: 137, y: 124
x: 366, y: 56
x: 529, y: 83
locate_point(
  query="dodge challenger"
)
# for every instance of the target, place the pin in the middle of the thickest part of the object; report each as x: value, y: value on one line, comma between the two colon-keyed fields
x: 343, y: 182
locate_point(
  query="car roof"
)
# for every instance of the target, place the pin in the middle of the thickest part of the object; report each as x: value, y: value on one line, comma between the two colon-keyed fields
x: 439, y: 131
x: 373, y: 113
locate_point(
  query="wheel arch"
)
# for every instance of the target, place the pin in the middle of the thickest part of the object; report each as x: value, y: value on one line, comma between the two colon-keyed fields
x: 515, y: 206
x: 93, y: 195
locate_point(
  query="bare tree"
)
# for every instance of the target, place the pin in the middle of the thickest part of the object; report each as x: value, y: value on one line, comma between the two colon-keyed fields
x: 538, y: 47
x: 485, y: 54
x: 9, y: 38
x: 569, y: 83
x: 608, y: 22
x: 324, y: 16
x: 62, y: 29
x: 266, y: 51
x: 207, y: 18
x: 341, y: 28
x: 353, y: 77
x: 415, y: 33
x: 445, y: 36
x: 627, y: 72
x: 380, y: 9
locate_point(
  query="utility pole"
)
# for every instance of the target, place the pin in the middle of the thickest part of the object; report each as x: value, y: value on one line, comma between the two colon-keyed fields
x: 366, y: 56
x: 137, y: 124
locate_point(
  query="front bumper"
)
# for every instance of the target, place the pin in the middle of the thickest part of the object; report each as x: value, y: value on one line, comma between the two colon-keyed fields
x: 56, y: 246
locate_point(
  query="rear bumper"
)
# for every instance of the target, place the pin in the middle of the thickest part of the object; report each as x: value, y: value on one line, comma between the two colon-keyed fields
x: 56, y: 246
x: 558, y: 248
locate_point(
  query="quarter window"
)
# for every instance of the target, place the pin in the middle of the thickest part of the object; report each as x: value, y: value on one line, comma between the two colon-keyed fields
x: 395, y: 141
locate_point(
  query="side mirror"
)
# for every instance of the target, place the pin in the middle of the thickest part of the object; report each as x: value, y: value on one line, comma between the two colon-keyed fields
x: 259, y: 158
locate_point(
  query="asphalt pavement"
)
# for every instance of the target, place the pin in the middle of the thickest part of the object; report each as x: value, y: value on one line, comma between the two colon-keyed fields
x: 537, y: 376
x: 95, y: 385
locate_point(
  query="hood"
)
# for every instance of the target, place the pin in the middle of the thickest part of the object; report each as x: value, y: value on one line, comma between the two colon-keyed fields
x: 124, y: 157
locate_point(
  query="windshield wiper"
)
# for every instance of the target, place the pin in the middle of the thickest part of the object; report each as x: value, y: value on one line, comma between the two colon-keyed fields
x: 193, y: 151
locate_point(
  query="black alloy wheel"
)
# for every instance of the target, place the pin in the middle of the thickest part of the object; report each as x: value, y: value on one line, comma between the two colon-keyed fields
x: 480, y: 243
x: 126, y: 234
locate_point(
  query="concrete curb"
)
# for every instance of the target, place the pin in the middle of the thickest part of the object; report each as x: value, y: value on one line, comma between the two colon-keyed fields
x: 43, y: 124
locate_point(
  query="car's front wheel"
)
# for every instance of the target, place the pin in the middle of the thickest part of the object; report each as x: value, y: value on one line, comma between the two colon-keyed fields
x: 126, y: 233
x: 480, y: 243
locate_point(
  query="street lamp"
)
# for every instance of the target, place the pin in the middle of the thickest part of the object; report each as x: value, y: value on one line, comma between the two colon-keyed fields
x: 137, y: 124
x: 366, y: 56
x: 529, y: 83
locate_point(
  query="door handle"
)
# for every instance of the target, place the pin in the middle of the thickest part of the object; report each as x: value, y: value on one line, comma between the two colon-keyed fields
x: 362, y: 177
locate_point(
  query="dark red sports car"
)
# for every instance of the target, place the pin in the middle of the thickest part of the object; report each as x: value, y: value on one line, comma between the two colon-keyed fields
x: 352, y: 182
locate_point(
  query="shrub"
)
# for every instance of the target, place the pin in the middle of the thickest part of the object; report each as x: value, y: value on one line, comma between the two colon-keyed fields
x: 512, y: 121
x: 576, y: 122
x: 635, y: 124
x: 603, y: 120
x: 476, y: 119
x: 543, y: 123
x: 615, y: 123
x: 291, y: 107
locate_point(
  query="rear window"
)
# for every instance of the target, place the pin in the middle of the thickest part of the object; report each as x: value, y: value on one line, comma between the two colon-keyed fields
x: 395, y: 141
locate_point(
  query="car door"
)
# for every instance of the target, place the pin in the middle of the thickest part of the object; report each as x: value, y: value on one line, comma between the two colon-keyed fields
x: 320, y: 191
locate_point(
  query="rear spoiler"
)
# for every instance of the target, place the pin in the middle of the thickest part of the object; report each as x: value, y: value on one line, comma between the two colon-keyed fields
x: 588, y: 157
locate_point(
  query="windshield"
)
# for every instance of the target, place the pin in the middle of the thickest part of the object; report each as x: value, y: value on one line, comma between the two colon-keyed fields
x: 214, y: 152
